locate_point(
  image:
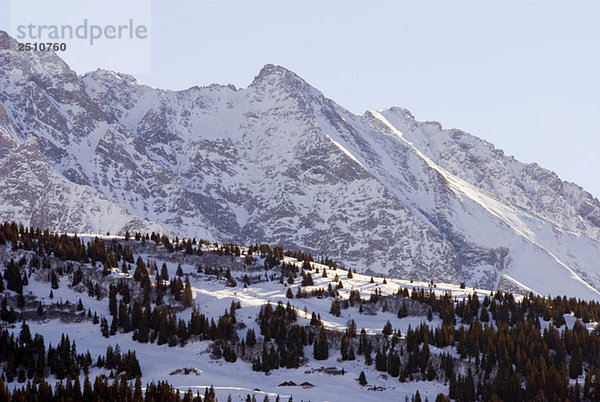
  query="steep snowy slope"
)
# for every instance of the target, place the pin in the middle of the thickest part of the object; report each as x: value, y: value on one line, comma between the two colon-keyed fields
x: 33, y: 194
x: 43, y: 97
x: 527, y: 205
x: 278, y: 162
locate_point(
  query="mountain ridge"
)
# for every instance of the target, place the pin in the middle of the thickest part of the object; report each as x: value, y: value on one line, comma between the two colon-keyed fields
x: 279, y: 162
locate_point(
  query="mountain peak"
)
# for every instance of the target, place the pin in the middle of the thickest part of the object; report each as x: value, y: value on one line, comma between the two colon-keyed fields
x: 102, y: 74
x: 400, y: 112
x: 272, y: 74
x: 272, y: 70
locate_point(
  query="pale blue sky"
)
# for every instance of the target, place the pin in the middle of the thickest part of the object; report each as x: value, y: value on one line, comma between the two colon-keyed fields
x: 522, y: 75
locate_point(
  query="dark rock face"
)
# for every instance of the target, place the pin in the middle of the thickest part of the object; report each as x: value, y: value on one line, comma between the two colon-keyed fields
x: 278, y: 162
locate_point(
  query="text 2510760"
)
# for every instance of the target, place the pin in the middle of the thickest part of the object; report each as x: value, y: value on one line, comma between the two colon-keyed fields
x: 42, y: 46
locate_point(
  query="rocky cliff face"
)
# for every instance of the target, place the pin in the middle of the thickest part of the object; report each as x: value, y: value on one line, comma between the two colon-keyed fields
x: 278, y: 162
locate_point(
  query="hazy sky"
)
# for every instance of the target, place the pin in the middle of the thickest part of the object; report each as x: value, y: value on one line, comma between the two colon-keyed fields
x: 522, y: 75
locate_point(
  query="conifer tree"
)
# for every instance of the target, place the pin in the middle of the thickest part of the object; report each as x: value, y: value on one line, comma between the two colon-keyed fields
x: 112, y: 300
x: 387, y: 329
x: 53, y: 280
x: 307, y: 279
x: 402, y: 311
x: 141, y: 273
x: 250, y: 338
x: 320, y: 346
x: 345, y: 347
x: 362, y: 379
x: 164, y: 272
x: 188, y: 297
x: 335, y: 308
x: 351, y: 330
x: 380, y: 361
x: 14, y: 280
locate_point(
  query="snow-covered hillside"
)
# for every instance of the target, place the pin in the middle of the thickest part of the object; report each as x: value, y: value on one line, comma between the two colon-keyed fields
x: 212, y: 296
x: 222, y: 276
x: 280, y: 163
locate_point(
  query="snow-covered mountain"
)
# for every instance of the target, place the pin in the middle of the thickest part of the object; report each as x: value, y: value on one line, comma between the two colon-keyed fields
x: 280, y: 163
